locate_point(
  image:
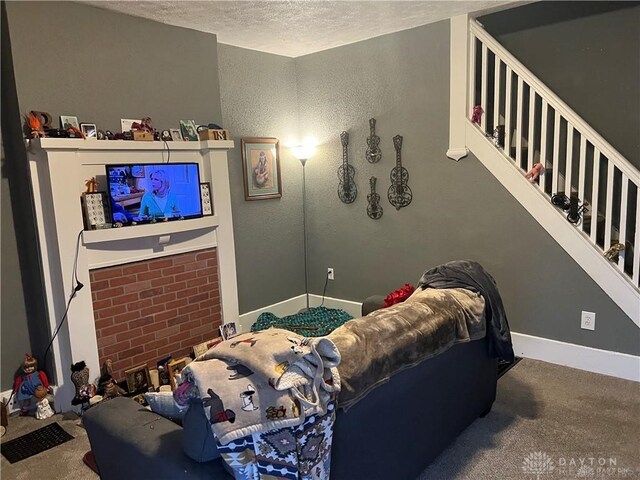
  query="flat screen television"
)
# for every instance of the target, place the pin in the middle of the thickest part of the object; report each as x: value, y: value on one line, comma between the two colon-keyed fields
x: 146, y: 193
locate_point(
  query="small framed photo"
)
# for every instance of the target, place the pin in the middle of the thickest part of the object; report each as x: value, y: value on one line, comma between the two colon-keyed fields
x: 125, y: 123
x: 67, y: 121
x: 261, y: 168
x: 207, y: 200
x: 174, y: 368
x: 96, y: 210
x: 203, y: 347
x: 138, y: 379
x: 90, y: 131
x: 189, y: 130
x: 175, y: 134
x: 228, y: 330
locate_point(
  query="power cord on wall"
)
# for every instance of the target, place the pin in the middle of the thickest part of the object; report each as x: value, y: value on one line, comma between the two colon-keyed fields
x: 324, y: 290
x: 166, y: 144
x: 77, y: 287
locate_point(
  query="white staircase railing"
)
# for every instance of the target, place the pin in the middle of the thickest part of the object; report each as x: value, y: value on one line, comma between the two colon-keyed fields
x: 530, y: 124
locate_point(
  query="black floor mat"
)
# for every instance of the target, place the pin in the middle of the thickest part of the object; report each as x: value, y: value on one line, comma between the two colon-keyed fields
x: 504, y: 367
x: 35, y: 442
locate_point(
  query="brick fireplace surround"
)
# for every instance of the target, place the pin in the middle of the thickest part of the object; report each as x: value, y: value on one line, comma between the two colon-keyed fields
x: 147, y: 310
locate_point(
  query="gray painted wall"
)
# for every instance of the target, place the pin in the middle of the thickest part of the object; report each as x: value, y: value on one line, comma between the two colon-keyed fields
x: 258, y: 96
x: 586, y: 52
x: 102, y: 66
x: 459, y: 210
x: 15, y: 341
x: 99, y: 66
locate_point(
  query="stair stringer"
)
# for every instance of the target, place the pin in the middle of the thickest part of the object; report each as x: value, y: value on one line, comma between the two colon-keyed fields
x: 570, y: 238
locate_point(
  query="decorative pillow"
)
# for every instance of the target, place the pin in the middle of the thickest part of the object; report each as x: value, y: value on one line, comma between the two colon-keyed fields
x: 198, y: 441
x: 399, y: 295
x: 162, y: 403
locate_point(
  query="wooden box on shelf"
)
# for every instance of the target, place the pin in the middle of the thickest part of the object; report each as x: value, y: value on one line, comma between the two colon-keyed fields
x: 213, y: 134
x: 141, y: 135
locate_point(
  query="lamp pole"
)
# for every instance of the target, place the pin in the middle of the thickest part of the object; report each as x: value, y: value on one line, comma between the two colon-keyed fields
x: 304, y: 228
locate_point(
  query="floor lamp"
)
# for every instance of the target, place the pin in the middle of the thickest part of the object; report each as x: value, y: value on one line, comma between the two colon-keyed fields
x: 304, y: 153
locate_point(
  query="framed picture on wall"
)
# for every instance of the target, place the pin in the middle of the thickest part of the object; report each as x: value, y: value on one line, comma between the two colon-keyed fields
x: 261, y: 168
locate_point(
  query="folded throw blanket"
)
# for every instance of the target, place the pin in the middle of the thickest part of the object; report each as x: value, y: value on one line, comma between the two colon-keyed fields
x: 259, y: 381
x: 469, y: 274
x: 386, y: 341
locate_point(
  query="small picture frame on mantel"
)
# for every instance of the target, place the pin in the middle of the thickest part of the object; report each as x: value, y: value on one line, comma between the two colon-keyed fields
x: 207, y: 199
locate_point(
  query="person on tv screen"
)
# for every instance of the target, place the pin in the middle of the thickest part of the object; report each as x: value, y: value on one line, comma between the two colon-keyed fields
x: 160, y: 202
x: 120, y: 214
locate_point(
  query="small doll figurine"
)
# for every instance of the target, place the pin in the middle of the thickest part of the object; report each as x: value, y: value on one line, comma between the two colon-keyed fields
x: 27, y: 383
x: 476, y: 115
x: 109, y: 387
x: 43, y: 409
x: 533, y: 174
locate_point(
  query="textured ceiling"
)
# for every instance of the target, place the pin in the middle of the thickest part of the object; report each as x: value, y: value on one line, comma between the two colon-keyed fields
x: 295, y: 28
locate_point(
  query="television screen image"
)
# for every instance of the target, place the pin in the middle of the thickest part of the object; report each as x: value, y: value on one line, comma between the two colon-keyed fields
x: 154, y: 192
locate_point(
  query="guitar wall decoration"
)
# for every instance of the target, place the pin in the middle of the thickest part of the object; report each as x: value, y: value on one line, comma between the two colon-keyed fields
x: 374, y: 210
x: 347, y: 190
x: 399, y: 193
x: 373, y: 154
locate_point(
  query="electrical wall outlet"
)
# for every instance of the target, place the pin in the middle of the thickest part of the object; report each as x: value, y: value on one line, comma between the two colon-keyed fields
x: 330, y: 273
x: 588, y: 320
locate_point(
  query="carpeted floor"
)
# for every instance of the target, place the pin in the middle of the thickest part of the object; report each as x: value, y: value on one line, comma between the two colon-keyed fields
x: 58, y: 463
x: 553, y: 417
x: 565, y: 414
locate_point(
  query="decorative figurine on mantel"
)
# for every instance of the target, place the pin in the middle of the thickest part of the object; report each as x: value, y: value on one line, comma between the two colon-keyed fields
x: 33, y: 126
x: 92, y: 185
x: 30, y: 382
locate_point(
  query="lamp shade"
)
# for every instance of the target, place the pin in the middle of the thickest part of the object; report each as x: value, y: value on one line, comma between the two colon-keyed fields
x: 303, y: 152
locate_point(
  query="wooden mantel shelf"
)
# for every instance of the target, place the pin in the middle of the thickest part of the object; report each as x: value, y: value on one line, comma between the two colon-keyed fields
x: 125, y: 145
x: 148, y: 230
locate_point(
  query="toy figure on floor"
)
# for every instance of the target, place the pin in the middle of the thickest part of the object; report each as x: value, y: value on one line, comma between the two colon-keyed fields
x: 43, y: 409
x: 27, y: 383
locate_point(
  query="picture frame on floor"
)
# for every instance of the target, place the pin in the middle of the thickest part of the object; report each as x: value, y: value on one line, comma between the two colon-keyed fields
x: 138, y: 379
x: 228, y: 330
x: 175, y: 367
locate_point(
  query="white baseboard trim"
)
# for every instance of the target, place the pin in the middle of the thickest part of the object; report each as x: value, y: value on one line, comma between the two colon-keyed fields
x: 614, y: 364
x: 352, y: 308
x: 13, y: 406
x: 294, y: 305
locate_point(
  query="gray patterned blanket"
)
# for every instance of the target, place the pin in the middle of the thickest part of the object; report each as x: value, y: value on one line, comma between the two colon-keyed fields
x: 260, y: 381
x: 386, y: 341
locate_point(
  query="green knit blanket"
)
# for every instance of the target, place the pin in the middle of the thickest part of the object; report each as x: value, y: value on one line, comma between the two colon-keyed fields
x: 316, y: 322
